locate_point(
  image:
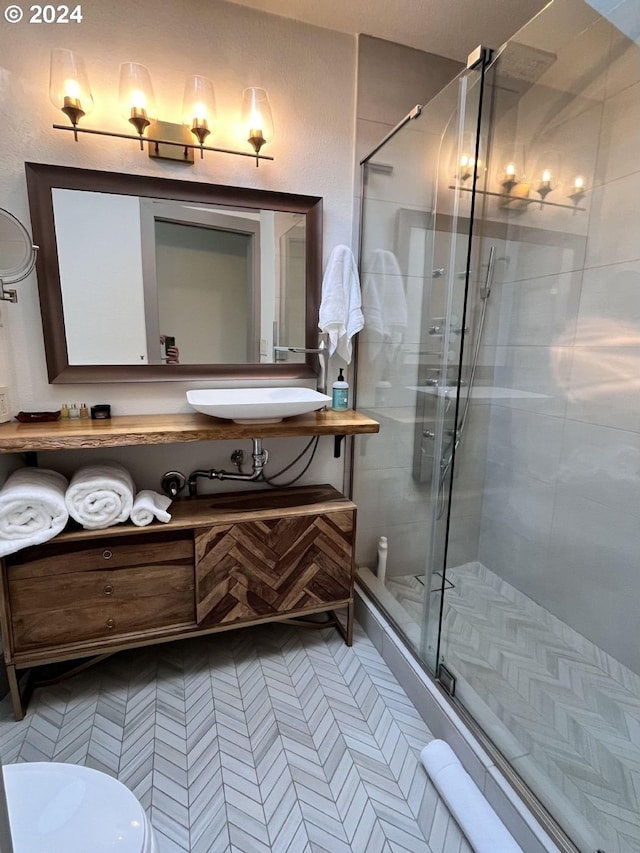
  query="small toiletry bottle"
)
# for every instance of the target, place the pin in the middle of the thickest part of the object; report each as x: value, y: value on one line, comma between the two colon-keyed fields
x: 64, y: 411
x: 84, y: 411
x: 340, y: 395
x: 73, y: 412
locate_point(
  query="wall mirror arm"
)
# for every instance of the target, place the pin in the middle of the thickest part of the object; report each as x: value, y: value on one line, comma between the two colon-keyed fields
x: 17, y: 254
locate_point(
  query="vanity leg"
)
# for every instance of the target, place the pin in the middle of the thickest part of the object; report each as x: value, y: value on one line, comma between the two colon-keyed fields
x: 350, y: 617
x: 345, y: 631
x: 14, y: 690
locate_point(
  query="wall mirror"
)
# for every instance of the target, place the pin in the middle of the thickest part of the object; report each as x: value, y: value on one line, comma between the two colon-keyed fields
x: 146, y: 279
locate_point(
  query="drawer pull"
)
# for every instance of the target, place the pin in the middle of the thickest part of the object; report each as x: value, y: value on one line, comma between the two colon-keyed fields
x: 111, y: 623
x: 107, y: 554
x: 108, y: 590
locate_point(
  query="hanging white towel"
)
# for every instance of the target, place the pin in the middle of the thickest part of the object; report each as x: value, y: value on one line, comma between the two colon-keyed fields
x: 340, y: 309
x: 32, y: 508
x: 100, y: 495
x: 149, y: 505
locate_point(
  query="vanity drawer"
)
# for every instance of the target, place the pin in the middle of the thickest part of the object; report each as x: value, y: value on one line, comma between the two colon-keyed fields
x: 103, y: 620
x: 38, y: 595
x: 57, y: 558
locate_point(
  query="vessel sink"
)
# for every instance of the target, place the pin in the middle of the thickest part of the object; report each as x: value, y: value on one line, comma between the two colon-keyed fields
x: 256, y: 405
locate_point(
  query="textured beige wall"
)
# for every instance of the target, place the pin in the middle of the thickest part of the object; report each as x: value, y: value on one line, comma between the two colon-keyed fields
x: 310, y: 75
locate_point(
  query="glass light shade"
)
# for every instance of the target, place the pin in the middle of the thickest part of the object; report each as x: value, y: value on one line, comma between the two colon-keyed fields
x: 199, y: 107
x: 137, y: 101
x: 69, y: 88
x: 256, y: 117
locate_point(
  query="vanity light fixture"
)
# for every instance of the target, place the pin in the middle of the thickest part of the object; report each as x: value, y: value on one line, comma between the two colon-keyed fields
x: 199, y: 108
x: 69, y: 88
x: 257, y: 118
x: 137, y: 101
x: 70, y: 92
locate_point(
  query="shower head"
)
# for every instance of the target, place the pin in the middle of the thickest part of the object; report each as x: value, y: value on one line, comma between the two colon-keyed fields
x: 519, y: 66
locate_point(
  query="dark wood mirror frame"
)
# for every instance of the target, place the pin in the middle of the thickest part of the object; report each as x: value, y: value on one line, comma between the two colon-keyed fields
x: 42, y: 179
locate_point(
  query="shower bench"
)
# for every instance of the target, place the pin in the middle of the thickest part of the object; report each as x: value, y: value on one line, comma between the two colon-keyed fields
x: 222, y: 562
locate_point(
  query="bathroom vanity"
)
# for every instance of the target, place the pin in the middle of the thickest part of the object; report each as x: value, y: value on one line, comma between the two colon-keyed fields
x: 223, y: 561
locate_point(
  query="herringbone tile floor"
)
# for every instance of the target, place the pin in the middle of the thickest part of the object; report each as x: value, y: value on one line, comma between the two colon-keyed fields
x: 555, y: 702
x: 263, y: 739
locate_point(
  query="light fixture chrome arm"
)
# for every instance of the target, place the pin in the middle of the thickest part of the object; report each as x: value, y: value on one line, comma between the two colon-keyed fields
x: 322, y: 351
x: 156, y: 142
x: 70, y: 92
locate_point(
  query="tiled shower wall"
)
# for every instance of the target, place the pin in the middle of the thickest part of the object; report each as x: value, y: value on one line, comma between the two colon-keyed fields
x: 561, y: 510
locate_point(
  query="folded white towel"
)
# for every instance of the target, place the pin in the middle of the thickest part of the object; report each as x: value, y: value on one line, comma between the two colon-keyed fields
x: 149, y: 505
x: 340, y: 309
x: 100, y: 495
x: 32, y: 508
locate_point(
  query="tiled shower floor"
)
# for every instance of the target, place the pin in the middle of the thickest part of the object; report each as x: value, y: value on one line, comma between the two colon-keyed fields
x: 566, y: 714
x: 264, y: 739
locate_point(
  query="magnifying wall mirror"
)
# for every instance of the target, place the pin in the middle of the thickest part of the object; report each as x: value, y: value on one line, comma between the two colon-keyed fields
x: 17, y: 254
x: 144, y: 279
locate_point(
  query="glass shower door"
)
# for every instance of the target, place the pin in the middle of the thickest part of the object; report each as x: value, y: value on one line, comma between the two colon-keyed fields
x: 505, y: 475
x: 418, y: 205
x: 457, y: 256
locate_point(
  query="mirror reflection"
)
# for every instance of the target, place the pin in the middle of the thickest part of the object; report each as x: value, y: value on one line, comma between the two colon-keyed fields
x: 145, y: 278
x: 220, y: 285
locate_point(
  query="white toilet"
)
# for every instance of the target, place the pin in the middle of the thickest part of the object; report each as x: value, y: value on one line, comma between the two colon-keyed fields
x: 64, y: 808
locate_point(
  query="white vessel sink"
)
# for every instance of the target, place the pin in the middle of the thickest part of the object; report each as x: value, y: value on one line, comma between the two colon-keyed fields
x: 256, y: 405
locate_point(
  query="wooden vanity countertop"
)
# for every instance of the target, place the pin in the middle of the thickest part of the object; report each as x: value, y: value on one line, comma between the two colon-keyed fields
x: 127, y: 430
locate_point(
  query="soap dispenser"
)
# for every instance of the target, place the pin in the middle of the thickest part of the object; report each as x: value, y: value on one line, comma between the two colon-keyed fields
x: 340, y: 394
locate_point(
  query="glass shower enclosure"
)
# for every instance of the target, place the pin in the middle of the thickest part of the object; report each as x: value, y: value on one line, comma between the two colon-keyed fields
x: 500, y: 271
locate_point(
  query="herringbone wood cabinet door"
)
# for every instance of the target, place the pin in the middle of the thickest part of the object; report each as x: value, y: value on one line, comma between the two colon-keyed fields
x: 253, y: 569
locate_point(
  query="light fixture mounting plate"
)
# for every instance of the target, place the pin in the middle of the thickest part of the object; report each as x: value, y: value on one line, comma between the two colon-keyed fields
x: 178, y: 133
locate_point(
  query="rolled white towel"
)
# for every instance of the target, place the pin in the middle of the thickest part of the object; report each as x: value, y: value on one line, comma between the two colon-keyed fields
x: 483, y: 828
x: 100, y: 495
x: 32, y: 508
x: 149, y: 505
